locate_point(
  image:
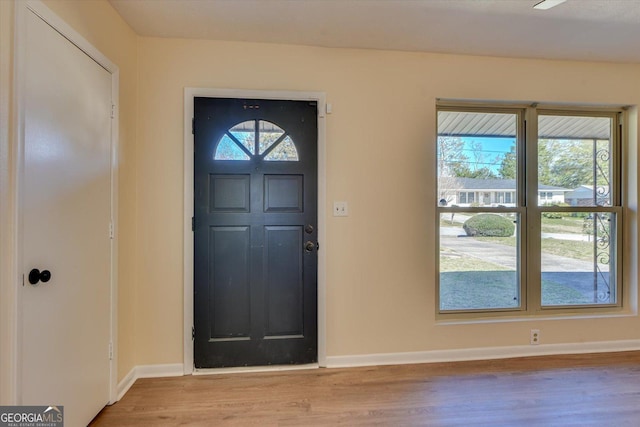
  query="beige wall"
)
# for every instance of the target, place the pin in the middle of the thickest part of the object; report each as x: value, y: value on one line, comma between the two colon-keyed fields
x: 100, y: 24
x: 7, y: 234
x: 380, y: 158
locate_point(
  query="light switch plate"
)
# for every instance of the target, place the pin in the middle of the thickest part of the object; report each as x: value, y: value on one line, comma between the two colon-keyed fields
x: 340, y: 209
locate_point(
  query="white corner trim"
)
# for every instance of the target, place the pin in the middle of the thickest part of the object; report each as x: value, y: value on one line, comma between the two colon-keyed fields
x: 126, y: 383
x: 487, y: 353
x: 148, y: 371
x: 68, y: 32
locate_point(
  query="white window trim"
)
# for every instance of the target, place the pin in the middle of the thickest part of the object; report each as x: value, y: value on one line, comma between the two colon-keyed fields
x: 625, y: 286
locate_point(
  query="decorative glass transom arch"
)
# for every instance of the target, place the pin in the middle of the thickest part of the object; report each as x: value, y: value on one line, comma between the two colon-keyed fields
x: 256, y: 139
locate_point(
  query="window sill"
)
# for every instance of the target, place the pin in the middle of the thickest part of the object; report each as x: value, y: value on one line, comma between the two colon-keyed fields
x: 444, y: 320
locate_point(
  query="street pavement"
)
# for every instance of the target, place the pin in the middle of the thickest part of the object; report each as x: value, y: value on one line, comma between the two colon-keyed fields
x: 577, y: 274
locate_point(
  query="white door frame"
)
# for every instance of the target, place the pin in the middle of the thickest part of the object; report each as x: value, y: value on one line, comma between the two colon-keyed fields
x: 22, y: 9
x: 189, y: 94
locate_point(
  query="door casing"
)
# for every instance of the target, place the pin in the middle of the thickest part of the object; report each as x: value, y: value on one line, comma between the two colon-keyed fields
x: 38, y: 8
x: 189, y: 94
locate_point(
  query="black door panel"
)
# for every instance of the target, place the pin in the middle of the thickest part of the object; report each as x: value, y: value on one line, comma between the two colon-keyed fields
x: 255, y: 284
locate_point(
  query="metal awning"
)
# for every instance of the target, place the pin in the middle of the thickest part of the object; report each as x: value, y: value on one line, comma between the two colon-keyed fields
x: 497, y: 125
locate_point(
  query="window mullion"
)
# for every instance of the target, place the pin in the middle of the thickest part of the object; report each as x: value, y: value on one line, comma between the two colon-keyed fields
x: 616, y: 148
x: 531, y: 245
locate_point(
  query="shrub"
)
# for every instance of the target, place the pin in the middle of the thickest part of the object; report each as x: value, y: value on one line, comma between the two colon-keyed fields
x: 556, y: 215
x: 489, y: 225
x: 553, y: 215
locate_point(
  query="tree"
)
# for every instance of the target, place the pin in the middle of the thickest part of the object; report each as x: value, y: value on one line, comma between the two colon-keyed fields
x: 564, y: 163
x: 509, y: 165
x: 451, y: 156
x: 467, y: 172
x: 477, y: 168
x: 454, y: 162
x: 570, y: 163
x: 545, y: 176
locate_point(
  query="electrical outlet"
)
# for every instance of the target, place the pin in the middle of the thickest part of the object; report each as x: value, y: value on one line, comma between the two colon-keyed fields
x: 535, y: 337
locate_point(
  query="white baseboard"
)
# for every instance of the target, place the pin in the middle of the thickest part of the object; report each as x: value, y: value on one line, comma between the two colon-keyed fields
x: 155, y: 371
x: 485, y: 353
x: 148, y: 371
x: 126, y: 383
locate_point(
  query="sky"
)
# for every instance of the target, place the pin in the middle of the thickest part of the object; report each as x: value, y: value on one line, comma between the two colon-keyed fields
x: 490, y: 149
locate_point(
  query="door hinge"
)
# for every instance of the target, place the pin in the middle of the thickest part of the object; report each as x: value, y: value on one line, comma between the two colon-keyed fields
x: 113, y: 111
x: 193, y: 223
x: 193, y: 333
x: 110, y: 351
x: 111, y: 230
x: 193, y: 126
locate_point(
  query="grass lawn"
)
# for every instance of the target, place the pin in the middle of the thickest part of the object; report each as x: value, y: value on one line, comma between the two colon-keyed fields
x: 471, y: 283
x: 446, y: 221
x: 563, y: 225
x: 478, y: 289
x: 554, y: 293
x: 568, y: 225
x: 450, y: 261
x: 462, y: 290
x: 568, y: 248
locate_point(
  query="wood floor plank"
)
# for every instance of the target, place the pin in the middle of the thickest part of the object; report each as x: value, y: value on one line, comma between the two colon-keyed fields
x: 566, y: 390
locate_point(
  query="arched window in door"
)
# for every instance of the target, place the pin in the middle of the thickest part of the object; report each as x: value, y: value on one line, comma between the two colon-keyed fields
x: 256, y: 139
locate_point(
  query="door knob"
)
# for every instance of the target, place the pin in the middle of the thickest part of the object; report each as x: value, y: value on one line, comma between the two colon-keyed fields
x: 309, y: 246
x: 36, y: 276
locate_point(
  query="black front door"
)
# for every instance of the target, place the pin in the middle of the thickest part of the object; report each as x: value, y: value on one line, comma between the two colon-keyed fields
x: 255, y: 232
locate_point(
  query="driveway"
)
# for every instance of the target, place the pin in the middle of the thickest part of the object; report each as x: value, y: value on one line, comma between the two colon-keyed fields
x: 577, y: 274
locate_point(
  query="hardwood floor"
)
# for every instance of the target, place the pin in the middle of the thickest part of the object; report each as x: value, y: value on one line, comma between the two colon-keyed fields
x: 569, y: 390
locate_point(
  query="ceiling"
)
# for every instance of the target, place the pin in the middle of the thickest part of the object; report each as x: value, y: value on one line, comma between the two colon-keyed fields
x: 593, y: 30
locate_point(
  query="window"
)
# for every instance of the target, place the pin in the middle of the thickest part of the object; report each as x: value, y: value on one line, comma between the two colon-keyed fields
x: 547, y: 238
x: 256, y: 139
x: 503, y: 197
x: 466, y: 197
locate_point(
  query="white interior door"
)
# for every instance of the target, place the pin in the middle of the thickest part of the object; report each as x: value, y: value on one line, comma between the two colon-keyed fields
x: 66, y: 215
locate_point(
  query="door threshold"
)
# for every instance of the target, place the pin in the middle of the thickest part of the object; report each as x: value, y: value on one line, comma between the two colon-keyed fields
x: 249, y: 369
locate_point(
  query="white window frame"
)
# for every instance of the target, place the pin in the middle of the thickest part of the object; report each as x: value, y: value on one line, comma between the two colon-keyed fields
x: 528, y: 205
